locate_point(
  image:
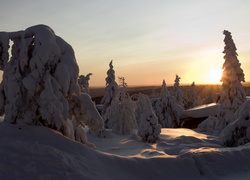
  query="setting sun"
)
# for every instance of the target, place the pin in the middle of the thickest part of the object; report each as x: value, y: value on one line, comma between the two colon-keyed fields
x: 214, y: 75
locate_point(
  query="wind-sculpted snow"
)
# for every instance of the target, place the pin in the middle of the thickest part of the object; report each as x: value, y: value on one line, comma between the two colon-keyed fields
x: 41, y: 153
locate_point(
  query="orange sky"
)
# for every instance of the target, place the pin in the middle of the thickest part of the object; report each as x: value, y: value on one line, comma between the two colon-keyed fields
x: 147, y: 40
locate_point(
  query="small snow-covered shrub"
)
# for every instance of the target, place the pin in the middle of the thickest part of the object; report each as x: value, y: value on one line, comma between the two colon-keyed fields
x: 83, y: 109
x: 147, y: 122
x: 238, y: 132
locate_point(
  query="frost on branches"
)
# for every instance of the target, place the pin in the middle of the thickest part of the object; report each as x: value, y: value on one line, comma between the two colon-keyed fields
x: 39, y: 79
x: 121, y: 114
x: 147, y: 122
x: 167, y: 109
x: 111, y: 91
x: 238, y: 132
x: 177, y: 91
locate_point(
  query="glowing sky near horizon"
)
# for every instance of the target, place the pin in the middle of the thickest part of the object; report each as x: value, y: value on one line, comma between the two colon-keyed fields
x: 147, y: 40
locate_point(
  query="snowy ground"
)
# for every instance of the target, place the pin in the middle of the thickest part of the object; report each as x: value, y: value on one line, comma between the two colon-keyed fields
x: 29, y: 152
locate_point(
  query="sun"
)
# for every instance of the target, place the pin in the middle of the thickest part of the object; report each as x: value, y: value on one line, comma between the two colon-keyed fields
x: 215, y: 75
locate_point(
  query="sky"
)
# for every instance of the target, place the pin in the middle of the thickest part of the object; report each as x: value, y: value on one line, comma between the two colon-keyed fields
x: 148, y: 40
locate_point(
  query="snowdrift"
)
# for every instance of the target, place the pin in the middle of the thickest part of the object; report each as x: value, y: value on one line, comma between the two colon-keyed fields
x: 29, y: 152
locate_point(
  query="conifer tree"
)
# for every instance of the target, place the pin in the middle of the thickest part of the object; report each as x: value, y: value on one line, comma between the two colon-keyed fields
x: 167, y: 109
x: 83, y: 82
x: 177, y: 91
x: 191, y: 98
x: 148, y: 126
x: 111, y: 91
x: 40, y: 87
x: 121, y: 113
x: 232, y: 94
x: 164, y: 89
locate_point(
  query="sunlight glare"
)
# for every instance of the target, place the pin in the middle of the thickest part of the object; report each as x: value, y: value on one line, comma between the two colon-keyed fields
x: 215, y: 75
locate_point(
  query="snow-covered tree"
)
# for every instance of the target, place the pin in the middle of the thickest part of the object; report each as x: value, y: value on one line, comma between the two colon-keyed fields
x: 167, y: 109
x: 209, y: 99
x: 122, y: 82
x: 121, y: 114
x: 232, y: 94
x: 83, y: 82
x: 83, y: 110
x: 164, y: 89
x: 147, y: 121
x: 177, y: 93
x: 111, y: 92
x: 39, y: 80
x: 238, y: 132
x: 191, y: 97
x: 152, y: 94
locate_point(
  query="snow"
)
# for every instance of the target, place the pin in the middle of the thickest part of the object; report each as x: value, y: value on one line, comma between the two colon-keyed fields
x: 201, y: 111
x: 35, y: 152
x: 238, y: 132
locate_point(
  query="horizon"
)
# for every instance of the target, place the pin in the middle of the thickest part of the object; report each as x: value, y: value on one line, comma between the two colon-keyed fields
x: 147, y: 41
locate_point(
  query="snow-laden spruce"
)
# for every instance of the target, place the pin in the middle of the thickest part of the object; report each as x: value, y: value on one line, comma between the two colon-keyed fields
x: 191, y: 99
x: 232, y: 94
x: 238, y: 132
x: 111, y: 91
x: 148, y: 127
x: 167, y: 109
x: 83, y: 82
x: 40, y: 80
x: 164, y: 89
x: 177, y: 93
x: 121, y: 113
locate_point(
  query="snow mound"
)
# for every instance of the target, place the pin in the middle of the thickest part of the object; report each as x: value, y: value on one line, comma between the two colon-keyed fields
x: 29, y: 152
